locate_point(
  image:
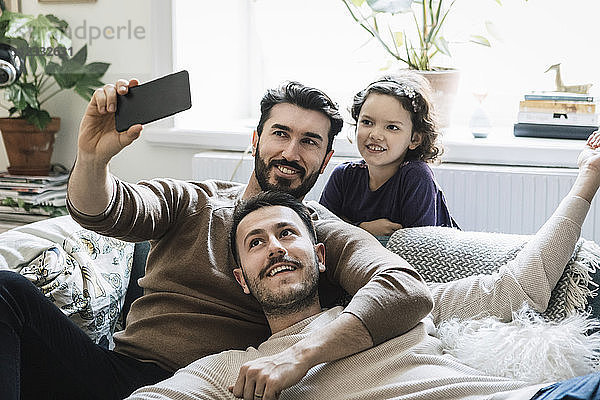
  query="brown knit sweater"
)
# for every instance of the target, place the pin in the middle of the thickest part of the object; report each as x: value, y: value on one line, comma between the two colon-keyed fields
x: 192, y: 306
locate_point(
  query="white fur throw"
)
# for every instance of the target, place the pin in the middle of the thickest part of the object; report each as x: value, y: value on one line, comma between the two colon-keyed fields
x: 529, y: 348
x: 537, y: 348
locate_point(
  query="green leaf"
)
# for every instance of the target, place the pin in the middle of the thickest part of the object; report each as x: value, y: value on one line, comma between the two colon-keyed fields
x: 22, y: 96
x: 500, y: 2
x: 17, y: 25
x: 42, y: 61
x: 15, y: 96
x: 20, y: 44
x: 480, y: 40
x: 81, y: 78
x: 63, y: 41
x: 3, y: 27
x: 390, y: 6
x: 59, y: 23
x: 389, y: 63
x: 39, y: 31
x: 398, y: 38
x: 39, y: 118
x: 29, y: 93
x: 69, y: 72
x: 65, y: 80
x: 90, y: 81
x: 33, y: 63
x: 411, y: 56
x: 494, y: 32
x: 96, y: 69
x: 52, y: 68
x: 85, y: 92
x: 8, y: 201
x: 358, y: 3
x: 80, y: 56
x: 442, y: 45
x: 86, y: 85
x: 44, y: 33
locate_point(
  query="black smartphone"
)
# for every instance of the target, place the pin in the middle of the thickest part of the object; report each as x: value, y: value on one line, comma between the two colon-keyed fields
x: 153, y: 100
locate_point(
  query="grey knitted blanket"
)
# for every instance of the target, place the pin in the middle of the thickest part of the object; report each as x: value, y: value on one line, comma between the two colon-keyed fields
x: 444, y: 254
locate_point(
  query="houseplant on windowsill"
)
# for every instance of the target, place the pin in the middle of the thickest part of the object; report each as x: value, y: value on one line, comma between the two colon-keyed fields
x: 417, y: 45
x: 49, y: 67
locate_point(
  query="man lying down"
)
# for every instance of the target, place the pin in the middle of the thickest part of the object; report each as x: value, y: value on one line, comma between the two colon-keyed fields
x: 279, y: 263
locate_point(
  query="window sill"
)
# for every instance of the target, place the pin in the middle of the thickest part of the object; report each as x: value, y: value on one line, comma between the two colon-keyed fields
x: 230, y: 139
x: 502, y: 148
x: 460, y: 147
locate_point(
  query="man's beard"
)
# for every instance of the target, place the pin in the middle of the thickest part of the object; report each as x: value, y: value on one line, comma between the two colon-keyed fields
x: 291, y: 301
x: 261, y: 171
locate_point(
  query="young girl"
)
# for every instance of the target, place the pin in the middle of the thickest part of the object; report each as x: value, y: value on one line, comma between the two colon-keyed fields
x: 392, y: 187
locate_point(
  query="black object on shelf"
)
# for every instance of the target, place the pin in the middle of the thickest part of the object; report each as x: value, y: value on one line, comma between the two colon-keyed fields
x: 553, y: 131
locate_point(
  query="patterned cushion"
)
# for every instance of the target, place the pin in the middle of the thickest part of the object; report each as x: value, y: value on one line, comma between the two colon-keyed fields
x: 445, y: 254
x: 85, y: 274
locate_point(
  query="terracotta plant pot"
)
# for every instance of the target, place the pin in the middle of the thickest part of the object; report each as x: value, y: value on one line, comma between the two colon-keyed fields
x: 29, y: 150
x: 445, y: 85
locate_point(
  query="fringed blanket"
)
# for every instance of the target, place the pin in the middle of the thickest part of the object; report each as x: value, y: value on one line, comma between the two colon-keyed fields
x: 559, y: 344
x: 445, y: 254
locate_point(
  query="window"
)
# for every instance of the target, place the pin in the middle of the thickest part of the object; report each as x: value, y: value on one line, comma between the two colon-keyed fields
x: 243, y: 47
x: 235, y: 49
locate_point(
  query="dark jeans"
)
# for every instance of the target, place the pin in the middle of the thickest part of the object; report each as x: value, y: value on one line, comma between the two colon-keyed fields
x: 44, y: 355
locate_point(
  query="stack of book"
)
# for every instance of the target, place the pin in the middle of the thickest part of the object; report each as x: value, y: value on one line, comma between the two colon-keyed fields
x: 556, y: 115
x: 32, y: 198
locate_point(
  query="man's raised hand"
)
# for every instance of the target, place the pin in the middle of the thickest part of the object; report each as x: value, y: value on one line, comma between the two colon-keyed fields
x: 590, y: 156
x: 99, y: 141
x: 588, y: 178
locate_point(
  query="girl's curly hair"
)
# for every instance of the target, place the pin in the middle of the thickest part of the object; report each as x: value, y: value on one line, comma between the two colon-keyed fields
x: 413, y: 91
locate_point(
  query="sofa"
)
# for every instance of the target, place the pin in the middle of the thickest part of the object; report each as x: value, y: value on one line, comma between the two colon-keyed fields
x: 94, y: 279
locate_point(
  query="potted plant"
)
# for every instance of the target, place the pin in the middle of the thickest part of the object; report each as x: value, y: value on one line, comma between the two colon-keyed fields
x: 48, y: 67
x: 417, y: 46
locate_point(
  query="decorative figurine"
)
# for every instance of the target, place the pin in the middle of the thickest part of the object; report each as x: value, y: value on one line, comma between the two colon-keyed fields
x: 480, y: 122
x: 560, y: 87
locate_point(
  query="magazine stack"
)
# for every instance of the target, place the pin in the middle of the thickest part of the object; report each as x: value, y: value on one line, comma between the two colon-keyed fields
x: 559, y: 115
x: 32, y: 198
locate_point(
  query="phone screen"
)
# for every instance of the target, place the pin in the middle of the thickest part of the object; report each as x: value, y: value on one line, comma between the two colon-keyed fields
x: 153, y: 100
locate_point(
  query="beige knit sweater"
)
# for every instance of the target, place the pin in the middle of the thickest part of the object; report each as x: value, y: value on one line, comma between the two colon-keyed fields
x: 411, y: 366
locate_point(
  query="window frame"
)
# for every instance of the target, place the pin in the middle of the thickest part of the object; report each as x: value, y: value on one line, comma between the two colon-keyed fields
x: 503, y: 149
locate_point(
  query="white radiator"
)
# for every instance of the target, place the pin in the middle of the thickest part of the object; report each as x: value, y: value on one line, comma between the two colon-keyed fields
x: 480, y: 197
x: 508, y: 199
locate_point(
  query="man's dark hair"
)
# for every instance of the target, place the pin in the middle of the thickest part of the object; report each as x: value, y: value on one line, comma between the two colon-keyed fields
x: 268, y: 199
x: 302, y: 96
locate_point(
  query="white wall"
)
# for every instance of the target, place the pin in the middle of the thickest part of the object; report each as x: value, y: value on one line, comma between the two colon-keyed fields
x: 129, y: 57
